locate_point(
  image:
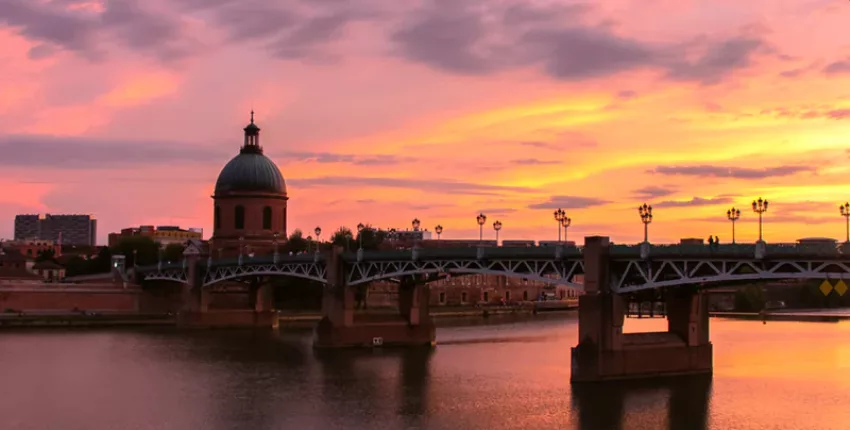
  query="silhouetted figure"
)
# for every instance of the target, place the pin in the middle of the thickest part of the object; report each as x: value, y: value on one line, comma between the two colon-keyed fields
x: 710, y: 241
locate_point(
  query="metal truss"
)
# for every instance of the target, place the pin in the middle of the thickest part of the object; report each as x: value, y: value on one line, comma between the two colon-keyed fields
x: 313, y: 271
x: 636, y: 275
x: 174, y: 275
x: 548, y: 271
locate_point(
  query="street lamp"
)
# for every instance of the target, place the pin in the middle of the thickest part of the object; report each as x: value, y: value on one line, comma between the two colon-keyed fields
x: 760, y: 207
x: 241, y: 241
x: 646, y: 218
x: 439, y: 230
x: 360, y: 228
x: 497, y: 226
x: 481, y: 218
x: 566, y: 222
x: 559, y: 215
x: 415, y: 224
x: 845, y: 212
x: 276, y: 253
x: 733, y: 215
x: 318, y: 231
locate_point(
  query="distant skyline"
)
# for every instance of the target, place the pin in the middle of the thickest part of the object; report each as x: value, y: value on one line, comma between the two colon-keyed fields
x: 436, y: 110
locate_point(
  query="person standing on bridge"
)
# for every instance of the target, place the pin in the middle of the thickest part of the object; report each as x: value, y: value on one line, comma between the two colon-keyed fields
x: 710, y: 241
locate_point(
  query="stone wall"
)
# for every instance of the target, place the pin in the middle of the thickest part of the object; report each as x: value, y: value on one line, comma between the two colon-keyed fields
x: 56, y: 300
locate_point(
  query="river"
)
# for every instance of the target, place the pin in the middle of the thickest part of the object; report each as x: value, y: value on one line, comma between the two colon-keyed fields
x: 494, y: 375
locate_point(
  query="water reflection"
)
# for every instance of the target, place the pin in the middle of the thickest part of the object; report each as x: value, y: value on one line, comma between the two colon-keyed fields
x: 381, y: 386
x: 641, y: 404
x: 509, y: 376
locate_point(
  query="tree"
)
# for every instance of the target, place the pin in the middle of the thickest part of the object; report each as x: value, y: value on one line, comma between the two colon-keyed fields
x: 76, y: 266
x: 295, y: 243
x: 372, y: 237
x: 102, y: 263
x: 146, y: 250
x: 749, y: 299
x: 46, y: 255
x: 173, y: 252
x: 343, y: 237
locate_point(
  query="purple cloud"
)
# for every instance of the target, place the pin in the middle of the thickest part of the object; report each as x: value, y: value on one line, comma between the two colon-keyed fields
x: 652, y: 192
x: 569, y: 202
x: 696, y: 201
x: 733, y: 172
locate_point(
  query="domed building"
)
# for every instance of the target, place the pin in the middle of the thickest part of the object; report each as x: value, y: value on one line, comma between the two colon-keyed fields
x: 250, y: 201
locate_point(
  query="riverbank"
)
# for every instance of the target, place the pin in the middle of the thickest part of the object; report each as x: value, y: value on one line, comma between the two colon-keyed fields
x: 286, y: 318
x: 46, y: 320
x: 801, y: 315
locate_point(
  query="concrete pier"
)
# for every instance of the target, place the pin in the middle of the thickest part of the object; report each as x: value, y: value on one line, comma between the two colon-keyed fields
x: 605, y: 353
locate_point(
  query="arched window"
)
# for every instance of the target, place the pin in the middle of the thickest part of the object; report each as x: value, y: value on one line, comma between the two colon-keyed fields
x: 217, y: 217
x: 239, y: 218
x: 267, y: 218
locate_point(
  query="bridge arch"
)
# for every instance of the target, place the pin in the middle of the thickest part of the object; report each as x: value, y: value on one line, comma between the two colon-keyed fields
x: 546, y: 271
x: 641, y: 275
x: 310, y: 271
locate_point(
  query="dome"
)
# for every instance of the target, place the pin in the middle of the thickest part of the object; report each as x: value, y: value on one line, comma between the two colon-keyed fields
x: 250, y: 171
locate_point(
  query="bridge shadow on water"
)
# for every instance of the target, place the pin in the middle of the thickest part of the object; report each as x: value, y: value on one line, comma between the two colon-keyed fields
x: 376, y: 378
x: 639, y: 404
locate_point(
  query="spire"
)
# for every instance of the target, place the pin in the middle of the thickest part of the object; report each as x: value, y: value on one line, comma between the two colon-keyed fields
x: 252, y: 138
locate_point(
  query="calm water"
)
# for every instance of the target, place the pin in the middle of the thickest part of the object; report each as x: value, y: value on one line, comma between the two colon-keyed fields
x: 489, y: 376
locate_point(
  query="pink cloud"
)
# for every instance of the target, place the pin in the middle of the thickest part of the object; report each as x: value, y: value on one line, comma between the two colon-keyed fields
x: 386, y: 111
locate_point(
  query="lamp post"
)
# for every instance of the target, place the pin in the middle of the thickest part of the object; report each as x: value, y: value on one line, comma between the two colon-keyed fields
x: 733, y: 215
x: 566, y: 222
x: 415, y: 224
x: 646, y: 218
x: 559, y: 215
x: 241, y: 241
x: 159, y: 255
x: 481, y: 218
x: 318, y: 231
x: 760, y: 207
x: 135, y: 254
x: 845, y: 212
x: 439, y: 230
x: 497, y: 226
x: 360, y: 228
x: 276, y: 253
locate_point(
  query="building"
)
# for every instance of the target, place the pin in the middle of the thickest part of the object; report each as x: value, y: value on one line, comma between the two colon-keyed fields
x: 477, y: 289
x: 17, y: 268
x: 249, y: 209
x: 165, y: 235
x: 32, y: 248
x: 62, y: 229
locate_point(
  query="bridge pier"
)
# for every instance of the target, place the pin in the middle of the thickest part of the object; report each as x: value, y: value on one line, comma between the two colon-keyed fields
x: 604, y: 352
x: 339, y: 328
x: 196, y: 312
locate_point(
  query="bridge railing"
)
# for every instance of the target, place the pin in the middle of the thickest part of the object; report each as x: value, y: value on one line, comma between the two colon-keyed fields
x: 472, y: 253
x: 257, y: 259
x: 781, y: 250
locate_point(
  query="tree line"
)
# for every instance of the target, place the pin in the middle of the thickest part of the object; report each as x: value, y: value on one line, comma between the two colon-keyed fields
x: 144, y: 251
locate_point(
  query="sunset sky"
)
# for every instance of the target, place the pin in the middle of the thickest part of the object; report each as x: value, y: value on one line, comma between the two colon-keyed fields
x: 379, y: 111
